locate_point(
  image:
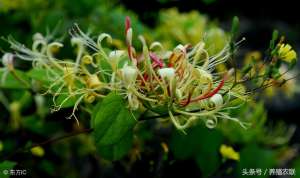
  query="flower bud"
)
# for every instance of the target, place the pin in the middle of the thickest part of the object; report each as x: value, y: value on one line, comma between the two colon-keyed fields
x: 217, y: 99
x: 7, y: 60
x: 129, y: 36
x: 38, y: 37
x: 89, y: 98
x: 114, y: 57
x: 93, y: 81
x: 168, y: 73
x: 129, y: 75
x: 87, y: 59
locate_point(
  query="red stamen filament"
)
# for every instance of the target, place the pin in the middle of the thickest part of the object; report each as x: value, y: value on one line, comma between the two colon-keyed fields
x: 185, y: 102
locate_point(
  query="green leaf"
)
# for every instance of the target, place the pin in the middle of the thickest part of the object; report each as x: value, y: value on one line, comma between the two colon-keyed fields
x: 118, y: 150
x: 201, y: 144
x: 5, y: 168
x: 38, y: 74
x: 111, y: 120
x: 42, y: 76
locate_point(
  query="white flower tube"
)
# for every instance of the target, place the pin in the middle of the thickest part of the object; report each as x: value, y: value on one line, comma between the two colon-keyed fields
x: 7, y: 60
x: 114, y: 57
x: 129, y: 75
x: 217, y: 99
x: 168, y: 73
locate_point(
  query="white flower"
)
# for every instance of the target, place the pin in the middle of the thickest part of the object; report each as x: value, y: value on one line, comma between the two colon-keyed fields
x: 7, y: 60
x: 129, y: 36
x: 114, y: 57
x: 77, y: 41
x: 129, y: 74
x: 168, y: 73
x: 38, y: 37
x: 217, y: 99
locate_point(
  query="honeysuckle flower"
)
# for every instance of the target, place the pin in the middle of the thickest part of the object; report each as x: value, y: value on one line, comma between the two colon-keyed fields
x: 39, y: 43
x: 7, y: 60
x: 286, y: 53
x: 181, y: 82
x: 128, y: 34
x: 167, y: 73
x: 204, y: 76
x: 129, y: 75
x: 114, y: 58
x: 87, y: 59
x: 229, y: 153
x: 93, y: 81
x: 217, y: 99
x: 37, y: 151
x: 37, y: 37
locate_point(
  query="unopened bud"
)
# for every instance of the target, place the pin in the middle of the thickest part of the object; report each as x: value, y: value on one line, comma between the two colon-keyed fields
x: 7, y: 60
x: 168, y: 73
x: 217, y: 99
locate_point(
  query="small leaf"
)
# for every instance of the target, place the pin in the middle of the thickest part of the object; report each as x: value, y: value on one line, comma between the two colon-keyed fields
x: 274, y: 38
x: 111, y: 120
x: 234, y: 27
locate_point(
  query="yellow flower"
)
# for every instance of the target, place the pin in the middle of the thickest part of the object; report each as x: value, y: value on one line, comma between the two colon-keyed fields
x: 286, y: 53
x: 229, y: 153
x: 37, y: 151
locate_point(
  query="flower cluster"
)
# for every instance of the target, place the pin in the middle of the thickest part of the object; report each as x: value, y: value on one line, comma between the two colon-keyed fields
x: 181, y: 83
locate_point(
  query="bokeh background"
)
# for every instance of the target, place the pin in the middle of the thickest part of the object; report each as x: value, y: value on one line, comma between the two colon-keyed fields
x: 159, y: 150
